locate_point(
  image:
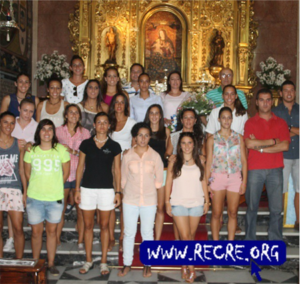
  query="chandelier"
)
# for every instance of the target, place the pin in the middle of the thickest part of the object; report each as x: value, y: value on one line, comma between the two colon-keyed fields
x: 9, y: 25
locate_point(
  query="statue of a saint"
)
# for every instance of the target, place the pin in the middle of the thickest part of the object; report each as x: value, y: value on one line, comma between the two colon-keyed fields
x: 111, y: 43
x: 218, y: 45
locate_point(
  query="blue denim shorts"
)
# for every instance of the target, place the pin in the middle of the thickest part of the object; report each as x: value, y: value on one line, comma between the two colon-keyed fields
x: 179, y: 210
x: 70, y: 184
x: 38, y: 211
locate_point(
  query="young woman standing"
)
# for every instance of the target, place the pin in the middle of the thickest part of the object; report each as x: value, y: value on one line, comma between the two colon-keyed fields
x: 24, y: 130
x: 71, y: 134
x: 160, y: 141
x: 12, y: 102
x: 53, y: 108
x: 47, y: 168
x: 12, y: 179
x: 91, y: 104
x: 226, y: 170
x: 96, y: 192
x: 142, y: 175
x: 120, y: 131
x: 140, y: 103
x: 111, y: 85
x: 73, y: 87
x: 173, y: 96
x: 187, y: 204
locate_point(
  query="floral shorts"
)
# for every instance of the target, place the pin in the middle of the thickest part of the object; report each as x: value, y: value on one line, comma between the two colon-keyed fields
x: 11, y: 199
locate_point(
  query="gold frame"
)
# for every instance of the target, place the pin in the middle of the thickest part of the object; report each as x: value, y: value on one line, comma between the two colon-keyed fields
x: 185, y: 39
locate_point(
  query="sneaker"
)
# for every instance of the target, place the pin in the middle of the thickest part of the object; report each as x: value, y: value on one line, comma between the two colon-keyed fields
x: 53, y: 270
x: 81, y: 248
x: 9, y: 245
x: 69, y: 209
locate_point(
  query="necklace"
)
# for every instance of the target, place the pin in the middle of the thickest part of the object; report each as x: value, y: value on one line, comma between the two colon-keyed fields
x: 100, y: 141
x: 19, y: 99
x: 5, y: 142
x: 187, y: 161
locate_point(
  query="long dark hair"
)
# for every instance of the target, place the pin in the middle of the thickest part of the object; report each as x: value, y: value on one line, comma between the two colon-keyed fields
x: 179, y: 158
x: 104, y: 83
x: 161, y: 133
x: 112, y: 113
x: 37, y: 137
x: 78, y: 124
x: 85, y: 95
x: 168, y: 81
x: 239, y: 108
x: 197, y: 128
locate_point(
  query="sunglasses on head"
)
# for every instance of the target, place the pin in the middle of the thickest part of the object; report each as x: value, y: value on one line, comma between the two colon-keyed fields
x: 75, y: 91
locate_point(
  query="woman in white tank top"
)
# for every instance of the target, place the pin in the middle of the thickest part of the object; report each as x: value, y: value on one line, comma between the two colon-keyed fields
x: 186, y: 204
x: 53, y: 108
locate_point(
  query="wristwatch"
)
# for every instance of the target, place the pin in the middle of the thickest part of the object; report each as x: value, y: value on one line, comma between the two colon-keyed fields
x: 261, y: 150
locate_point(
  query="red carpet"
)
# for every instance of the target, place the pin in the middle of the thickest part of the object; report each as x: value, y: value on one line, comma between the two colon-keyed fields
x: 167, y: 234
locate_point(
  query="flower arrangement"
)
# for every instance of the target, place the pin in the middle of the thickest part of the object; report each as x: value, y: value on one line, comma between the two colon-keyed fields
x: 49, y: 64
x: 196, y: 101
x: 272, y: 74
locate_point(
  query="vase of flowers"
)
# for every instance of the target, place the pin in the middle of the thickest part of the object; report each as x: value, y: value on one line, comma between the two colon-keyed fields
x: 49, y: 64
x: 196, y: 101
x: 272, y: 74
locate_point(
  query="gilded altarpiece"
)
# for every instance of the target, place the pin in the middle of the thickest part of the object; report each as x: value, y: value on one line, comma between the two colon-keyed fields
x: 198, y: 20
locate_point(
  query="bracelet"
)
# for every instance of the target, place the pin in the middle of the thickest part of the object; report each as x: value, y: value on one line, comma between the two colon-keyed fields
x: 118, y: 192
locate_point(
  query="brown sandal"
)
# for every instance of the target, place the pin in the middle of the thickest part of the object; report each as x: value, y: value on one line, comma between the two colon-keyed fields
x: 184, y: 272
x: 122, y: 271
x: 191, y: 277
x: 146, y: 271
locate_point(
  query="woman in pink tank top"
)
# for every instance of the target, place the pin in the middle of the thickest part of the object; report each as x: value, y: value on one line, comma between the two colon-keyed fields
x: 186, y: 204
x: 111, y: 85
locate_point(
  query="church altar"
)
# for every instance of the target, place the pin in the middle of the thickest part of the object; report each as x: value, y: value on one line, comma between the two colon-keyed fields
x: 163, y: 35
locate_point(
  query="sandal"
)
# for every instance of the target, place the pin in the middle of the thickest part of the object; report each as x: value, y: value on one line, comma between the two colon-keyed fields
x: 238, y: 230
x: 184, y: 272
x: 147, y: 271
x: 86, y: 267
x: 104, y: 268
x: 191, y: 277
x: 123, y: 272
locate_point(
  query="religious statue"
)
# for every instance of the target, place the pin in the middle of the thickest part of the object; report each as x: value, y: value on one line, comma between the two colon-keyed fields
x: 111, y: 43
x: 218, y: 45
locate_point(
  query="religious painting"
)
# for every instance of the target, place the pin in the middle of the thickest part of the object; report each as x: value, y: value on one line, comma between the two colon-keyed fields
x: 163, y: 44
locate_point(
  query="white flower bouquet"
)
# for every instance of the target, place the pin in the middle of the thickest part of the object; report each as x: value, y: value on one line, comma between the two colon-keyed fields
x: 49, y: 64
x: 272, y: 74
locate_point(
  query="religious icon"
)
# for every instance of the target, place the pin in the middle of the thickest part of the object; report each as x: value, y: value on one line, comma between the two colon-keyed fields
x: 111, y: 44
x: 217, y: 46
x: 163, y: 44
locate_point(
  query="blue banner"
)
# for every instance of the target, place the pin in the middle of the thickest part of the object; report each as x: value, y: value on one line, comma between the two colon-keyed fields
x: 212, y: 252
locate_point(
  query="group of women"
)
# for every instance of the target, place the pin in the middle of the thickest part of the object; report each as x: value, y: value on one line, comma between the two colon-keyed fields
x: 90, y: 148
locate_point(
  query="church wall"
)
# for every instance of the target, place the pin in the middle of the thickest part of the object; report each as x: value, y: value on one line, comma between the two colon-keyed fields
x: 277, y: 27
x: 53, y: 32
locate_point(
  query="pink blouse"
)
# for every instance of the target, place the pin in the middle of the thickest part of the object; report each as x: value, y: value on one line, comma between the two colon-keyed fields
x: 141, y: 177
x: 64, y: 137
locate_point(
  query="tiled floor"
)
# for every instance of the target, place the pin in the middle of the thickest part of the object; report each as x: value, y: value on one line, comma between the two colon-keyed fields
x: 70, y: 275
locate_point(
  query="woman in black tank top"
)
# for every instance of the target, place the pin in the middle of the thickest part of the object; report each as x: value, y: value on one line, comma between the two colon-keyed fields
x: 160, y: 142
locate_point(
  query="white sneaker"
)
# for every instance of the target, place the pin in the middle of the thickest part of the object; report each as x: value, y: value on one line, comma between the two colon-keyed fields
x: 9, y: 245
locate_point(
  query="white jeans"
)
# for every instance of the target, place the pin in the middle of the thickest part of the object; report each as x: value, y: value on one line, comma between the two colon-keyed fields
x: 131, y: 214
